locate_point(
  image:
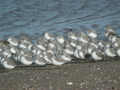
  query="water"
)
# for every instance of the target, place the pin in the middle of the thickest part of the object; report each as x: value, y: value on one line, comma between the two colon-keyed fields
x: 38, y: 16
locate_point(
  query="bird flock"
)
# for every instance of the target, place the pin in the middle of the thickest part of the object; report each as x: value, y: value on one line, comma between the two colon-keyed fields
x: 58, y: 49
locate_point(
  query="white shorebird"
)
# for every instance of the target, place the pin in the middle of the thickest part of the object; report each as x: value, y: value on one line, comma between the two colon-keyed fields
x: 112, y: 38
x: 25, y: 42
x: 48, y: 36
x: 13, y: 41
x: 82, y: 37
x: 54, y: 52
x: 77, y: 49
x: 51, y: 44
x: 26, y: 45
x: 7, y: 53
x: 118, y: 51
x: 73, y: 43
x: 96, y: 49
x: 116, y: 45
x: 110, y: 52
x: 111, y: 34
x: 36, y: 51
x: 47, y: 56
x: 72, y: 36
x: 92, y: 34
x: 26, y: 57
x: 56, y: 45
x: 101, y: 44
x: 5, y: 56
x: 60, y: 39
x: 68, y: 50
x: 53, y: 47
x: 66, y: 57
x: 81, y: 51
x: 72, y: 39
x: 14, y: 50
x: 109, y: 31
x: 97, y: 54
x: 41, y: 43
x: 8, y: 63
x: 60, y: 60
x: 90, y: 48
x: 94, y: 43
x: 39, y: 60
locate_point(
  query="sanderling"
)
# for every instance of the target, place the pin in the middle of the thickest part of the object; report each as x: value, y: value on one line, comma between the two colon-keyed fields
x: 101, y: 44
x: 13, y: 41
x: 77, y: 49
x: 48, y: 36
x: 39, y: 60
x: 109, y: 31
x: 90, y: 48
x: 8, y: 63
x: 7, y: 53
x: 97, y: 54
x: 66, y: 57
x: 80, y: 50
x: 111, y: 34
x: 41, y: 43
x: 14, y: 50
x: 116, y: 45
x: 94, y: 43
x: 83, y: 37
x: 92, y: 34
x: 51, y: 44
x: 60, y: 39
x: 72, y: 36
x: 59, y: 60
x: 36, y: 51
x: 110, y: 52
x: 73, y: 43
x: 47, y: 57
x: 26, y: 57
x: 68, y: 50
x: 53, y: 47
x: 118, y: 51
x: 71, y: 39
x: 76, y: 53
x: 25, y: 42
x: 81, y: 53
x: 26, y: 45
x: 112, y: 38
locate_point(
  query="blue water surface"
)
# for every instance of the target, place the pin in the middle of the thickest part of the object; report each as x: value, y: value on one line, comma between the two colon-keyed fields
x: 37, y: 16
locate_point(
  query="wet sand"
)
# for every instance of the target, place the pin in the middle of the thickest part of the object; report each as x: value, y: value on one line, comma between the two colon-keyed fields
x: 81, y: 76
